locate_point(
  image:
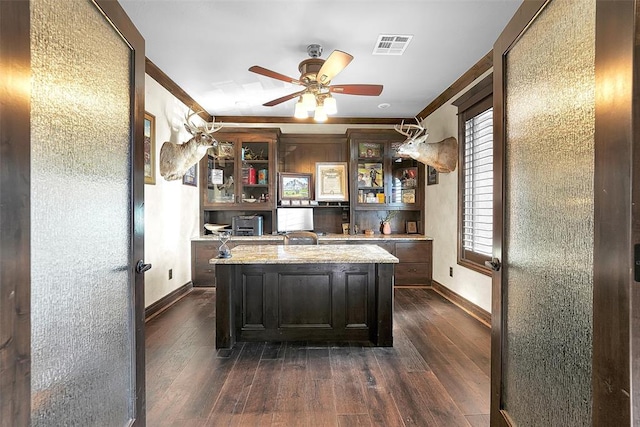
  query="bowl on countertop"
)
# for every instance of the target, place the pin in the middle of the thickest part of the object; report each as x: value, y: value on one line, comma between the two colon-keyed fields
x: 215, y: 228
x: 250, y: 200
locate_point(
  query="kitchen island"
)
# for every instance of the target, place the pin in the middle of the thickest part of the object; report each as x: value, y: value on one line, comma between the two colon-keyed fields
x: 305, y: 293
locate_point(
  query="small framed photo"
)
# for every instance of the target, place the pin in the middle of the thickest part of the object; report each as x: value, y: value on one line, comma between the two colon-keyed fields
x: 412, y: 227
x: 408, y: 196
x: 191, y: 176
x: 369, y: 149
x: 432, y: 175
x: 225, y: 150
x: 149, y: 148
x: 345, y: 228
x: 295, y: 186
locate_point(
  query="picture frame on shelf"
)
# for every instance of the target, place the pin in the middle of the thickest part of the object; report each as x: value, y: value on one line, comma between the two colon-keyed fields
x: 225, y: 150
x: 408, y: 177
x: 375, y: 174
x: 412, y: 227
x: 149, y: 148
x: 295, y: 186
x: 332, y: 182
x: 369, y: 149
x: 432, y: 175
x: 408, y: 195
x: 364, y: 179
x: 191, y: 176
x: 394, y: 150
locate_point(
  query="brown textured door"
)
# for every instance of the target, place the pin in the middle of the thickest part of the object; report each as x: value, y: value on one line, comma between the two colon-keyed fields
x: 563, y: 296
x: 71, y: 191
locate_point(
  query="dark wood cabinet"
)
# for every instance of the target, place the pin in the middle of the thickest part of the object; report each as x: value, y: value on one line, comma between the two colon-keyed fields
x: 415, y: 267
x: 203, y: 273
x: 240, y: 171
x: 304, y: 302
x: 398, y: 187
x: 383, y: 181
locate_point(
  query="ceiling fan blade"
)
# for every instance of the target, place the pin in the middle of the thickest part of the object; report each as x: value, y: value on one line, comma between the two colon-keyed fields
x: 333, y: 65
x: 283, y: 99
x: 366, y: 90
x: 263, y: 71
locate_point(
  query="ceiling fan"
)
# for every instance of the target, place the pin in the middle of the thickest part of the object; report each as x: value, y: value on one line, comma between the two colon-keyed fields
x: 316, y: 75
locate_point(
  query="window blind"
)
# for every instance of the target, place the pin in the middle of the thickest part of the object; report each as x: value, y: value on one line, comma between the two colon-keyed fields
x: 477, y: 205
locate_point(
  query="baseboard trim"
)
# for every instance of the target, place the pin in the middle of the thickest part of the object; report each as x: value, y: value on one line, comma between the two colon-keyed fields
x: 167, y: 301
x: 478, y: 312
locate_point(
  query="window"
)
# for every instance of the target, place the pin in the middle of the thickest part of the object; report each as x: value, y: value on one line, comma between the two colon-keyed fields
x: 475, y: 207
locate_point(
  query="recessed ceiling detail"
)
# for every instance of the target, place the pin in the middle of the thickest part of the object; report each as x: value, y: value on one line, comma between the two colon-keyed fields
x: 391, y: 44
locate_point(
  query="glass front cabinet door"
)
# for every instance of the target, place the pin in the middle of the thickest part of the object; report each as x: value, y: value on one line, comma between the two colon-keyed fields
x: 383, y: 178
x: 240, y: 172
x: 404, y: 179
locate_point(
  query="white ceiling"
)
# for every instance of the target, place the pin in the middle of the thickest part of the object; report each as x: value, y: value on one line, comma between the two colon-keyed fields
x: 206, y: 47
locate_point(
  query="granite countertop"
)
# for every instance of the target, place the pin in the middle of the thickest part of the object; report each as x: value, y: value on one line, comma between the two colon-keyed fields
x: 329, y: 237
x: 296, y: 254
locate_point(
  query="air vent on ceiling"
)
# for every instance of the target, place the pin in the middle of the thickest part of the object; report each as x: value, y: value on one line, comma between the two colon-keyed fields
x: 391, y: 44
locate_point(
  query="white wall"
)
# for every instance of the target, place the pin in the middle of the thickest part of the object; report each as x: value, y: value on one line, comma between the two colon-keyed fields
x: 441, y: 213
x: 171, y: 214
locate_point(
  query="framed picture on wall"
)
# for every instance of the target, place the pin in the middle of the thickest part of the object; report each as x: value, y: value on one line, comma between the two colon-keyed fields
x: 432, y: 176
x: 296, y: 186
x: 149, y: 148
x: 331, y: 182
x: 191, y: 176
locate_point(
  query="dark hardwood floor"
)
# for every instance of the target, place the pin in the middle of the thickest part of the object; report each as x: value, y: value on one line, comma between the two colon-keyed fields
x: 436, y: 374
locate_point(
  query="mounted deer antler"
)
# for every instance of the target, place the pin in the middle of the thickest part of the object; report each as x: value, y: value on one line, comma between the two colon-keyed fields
x: 442, y: 155
x: 419, y: 133
x: 176, y: 159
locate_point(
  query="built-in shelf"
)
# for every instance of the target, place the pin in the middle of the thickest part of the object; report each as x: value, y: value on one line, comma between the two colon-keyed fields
x: 318, y: 205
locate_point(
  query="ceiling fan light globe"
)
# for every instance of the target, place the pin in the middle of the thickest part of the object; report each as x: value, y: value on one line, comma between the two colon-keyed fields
x: 309, y: 101
x: 320, y: 115
x: 330, y: 106
x: 300, y: 111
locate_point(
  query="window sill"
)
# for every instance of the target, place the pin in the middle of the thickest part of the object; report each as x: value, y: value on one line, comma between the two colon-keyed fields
x: 482, y: 269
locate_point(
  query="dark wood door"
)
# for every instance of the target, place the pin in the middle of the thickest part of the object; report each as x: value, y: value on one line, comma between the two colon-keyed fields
x: 26, y: 396
x: 563, y: 348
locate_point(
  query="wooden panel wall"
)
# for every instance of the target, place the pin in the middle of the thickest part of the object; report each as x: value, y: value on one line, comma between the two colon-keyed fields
x: 300, y: 152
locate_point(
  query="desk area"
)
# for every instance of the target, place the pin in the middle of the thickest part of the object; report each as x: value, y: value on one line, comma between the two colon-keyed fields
x: 305, y: 293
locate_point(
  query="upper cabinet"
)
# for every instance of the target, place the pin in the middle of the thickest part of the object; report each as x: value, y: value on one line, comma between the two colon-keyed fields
x: 240, y: 173
x: 382, y: 178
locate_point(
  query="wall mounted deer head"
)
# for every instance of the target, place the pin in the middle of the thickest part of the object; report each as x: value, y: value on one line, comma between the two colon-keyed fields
x: 442, y: 155
x: 176, y: 159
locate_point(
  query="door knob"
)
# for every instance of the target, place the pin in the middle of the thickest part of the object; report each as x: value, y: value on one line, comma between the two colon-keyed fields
x: 494, y: 264
x: 141, y: 267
